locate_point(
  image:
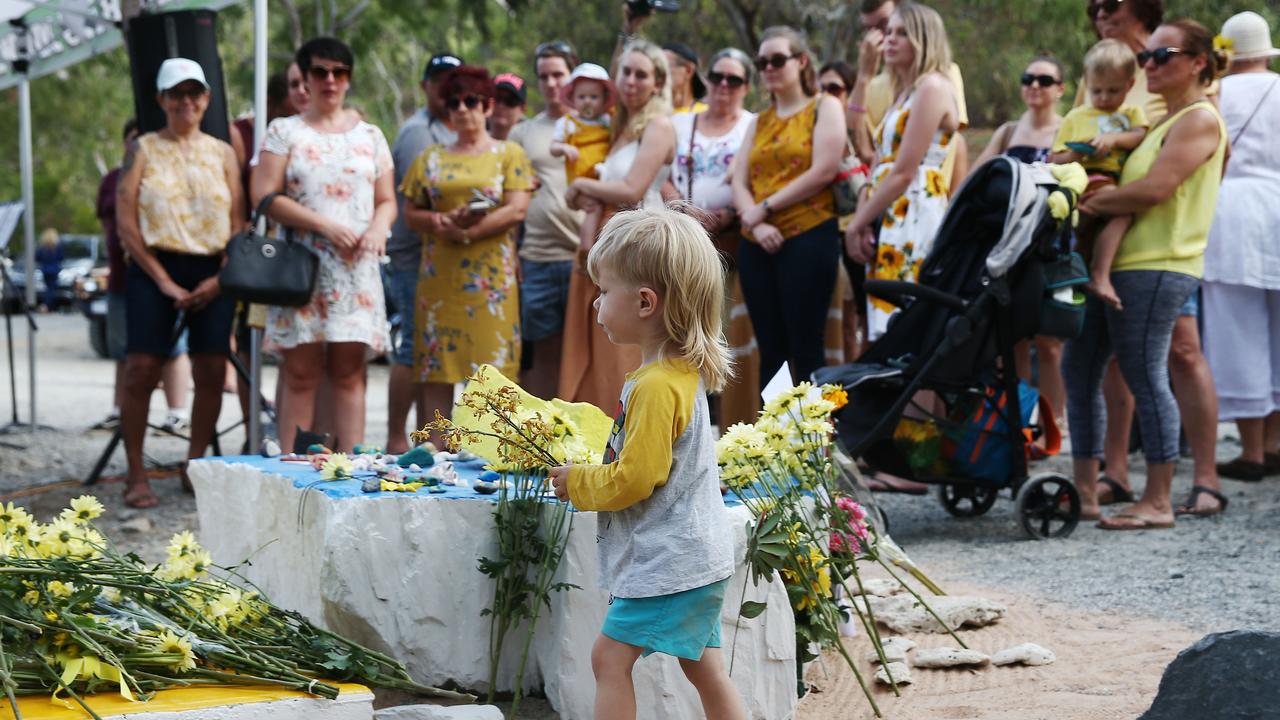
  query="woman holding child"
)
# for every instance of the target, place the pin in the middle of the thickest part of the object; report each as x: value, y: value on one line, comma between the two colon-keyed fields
x: 640, y: 155
x: 1166, y: 196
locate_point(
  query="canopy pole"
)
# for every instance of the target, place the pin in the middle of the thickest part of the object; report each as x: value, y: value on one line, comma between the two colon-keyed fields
x: 28, y: 231
x: 254, y: 426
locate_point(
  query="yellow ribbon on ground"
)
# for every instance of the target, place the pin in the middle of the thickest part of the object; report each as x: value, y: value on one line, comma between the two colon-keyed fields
x: 39, y: 707
x: 90, y: 667
x: 593, y: 426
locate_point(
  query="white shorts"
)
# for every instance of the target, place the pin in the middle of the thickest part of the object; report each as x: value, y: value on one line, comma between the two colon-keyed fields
x: 1242, y: 345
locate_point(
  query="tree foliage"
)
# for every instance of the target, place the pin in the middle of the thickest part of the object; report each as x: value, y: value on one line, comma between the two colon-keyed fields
x: 78, y: 113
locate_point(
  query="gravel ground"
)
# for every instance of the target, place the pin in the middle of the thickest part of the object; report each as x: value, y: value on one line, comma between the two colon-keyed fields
x: 1206, y: 574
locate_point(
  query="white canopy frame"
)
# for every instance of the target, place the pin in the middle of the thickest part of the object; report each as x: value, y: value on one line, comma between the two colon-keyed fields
x: 41, y: 37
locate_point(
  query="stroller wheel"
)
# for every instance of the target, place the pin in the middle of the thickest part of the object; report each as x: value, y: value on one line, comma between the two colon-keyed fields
x: 967, y: 500
x: 1048, y: 506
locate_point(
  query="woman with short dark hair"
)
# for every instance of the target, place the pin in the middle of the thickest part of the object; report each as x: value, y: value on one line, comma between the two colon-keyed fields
x: 333, y: 171
x: 466, y: 198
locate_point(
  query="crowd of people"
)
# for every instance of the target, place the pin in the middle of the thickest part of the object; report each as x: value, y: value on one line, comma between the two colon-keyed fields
x: 485, y: 216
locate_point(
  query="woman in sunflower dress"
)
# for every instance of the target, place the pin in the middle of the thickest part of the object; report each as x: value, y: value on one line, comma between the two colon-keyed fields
x: 909, y: 192
x: 468, y: 308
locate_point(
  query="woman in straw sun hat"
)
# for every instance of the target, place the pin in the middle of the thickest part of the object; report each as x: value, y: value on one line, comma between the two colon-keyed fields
x: 1242, y: 265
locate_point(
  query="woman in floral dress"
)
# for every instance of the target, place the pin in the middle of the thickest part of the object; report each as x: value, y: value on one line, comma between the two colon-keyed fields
x: 909, y: 191
x: 468, y: 306
x: 334, y: 171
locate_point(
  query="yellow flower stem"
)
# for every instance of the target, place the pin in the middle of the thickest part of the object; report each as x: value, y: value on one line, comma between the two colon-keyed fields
x: 868, y: 621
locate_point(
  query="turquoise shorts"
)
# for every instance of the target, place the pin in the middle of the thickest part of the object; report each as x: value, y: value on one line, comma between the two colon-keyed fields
x: 682, y: 624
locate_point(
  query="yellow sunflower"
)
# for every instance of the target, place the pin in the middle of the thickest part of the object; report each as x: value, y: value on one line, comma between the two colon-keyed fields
x: 935, y: 185
x: 900, y: 207
x: 889, y: 260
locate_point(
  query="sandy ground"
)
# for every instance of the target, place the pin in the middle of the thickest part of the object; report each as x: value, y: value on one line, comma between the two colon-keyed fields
x: 1108, y: 666
x: 1114, y: 617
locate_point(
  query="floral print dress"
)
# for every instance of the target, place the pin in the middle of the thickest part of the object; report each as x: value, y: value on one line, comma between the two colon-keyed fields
x: 468, y: 306
x: 333, y: 174
x: 910, y: 222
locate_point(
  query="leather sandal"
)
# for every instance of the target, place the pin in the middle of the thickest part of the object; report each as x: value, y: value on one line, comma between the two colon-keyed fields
x: 1188, y: 507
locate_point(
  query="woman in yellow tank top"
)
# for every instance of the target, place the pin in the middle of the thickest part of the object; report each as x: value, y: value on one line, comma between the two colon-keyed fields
x: 790, y: 252
x: 1170, y: 187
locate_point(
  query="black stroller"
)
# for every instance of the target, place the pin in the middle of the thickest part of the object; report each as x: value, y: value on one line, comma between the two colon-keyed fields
x: 1001, y: 270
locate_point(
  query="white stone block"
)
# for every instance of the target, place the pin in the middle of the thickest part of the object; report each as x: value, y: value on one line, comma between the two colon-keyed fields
x: 945, y: 657
x: 1024, y: 654
x: 900, y: 672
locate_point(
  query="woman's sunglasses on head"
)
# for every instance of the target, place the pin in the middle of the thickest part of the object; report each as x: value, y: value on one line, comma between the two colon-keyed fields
x: 1160, y: 55
x: 733, y: 81
x: 321, y: 73
x: 471, y: 101
x: 1043, y: 81
x: 1110, y: 6
x: 775, y: 61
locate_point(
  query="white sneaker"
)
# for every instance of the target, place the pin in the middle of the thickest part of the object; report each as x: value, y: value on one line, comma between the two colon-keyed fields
x: 176, y: 422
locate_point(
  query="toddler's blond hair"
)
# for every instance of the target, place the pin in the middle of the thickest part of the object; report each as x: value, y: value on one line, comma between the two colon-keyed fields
x: 669, y: 251
x: 1111, y: 56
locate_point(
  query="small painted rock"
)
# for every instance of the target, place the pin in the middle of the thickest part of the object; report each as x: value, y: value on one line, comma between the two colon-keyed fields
x: 270, y: 448
x: 371, y: 485
x: 366, y: 450
x: 419, y: 456
x: 429, y: 481
x: 485, y: 488
x: 489, y: 476
x: 466, y: 456
x: 318, y: 449
x: 413, y: 467
x: 436, y: 489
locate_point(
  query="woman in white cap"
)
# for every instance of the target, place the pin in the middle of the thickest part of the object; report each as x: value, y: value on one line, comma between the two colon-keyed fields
x: 178, y: 201
x: 1242, y: 262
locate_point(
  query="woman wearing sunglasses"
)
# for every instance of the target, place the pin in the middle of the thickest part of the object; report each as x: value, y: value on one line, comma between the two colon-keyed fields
x: 1030, y: 139
x: 334, y: 173
x: 909, y: 190
x: 1169, y: 186
x: 592, y: 368
x: 467, y: 198
x: 790, y: 249
x: 706, y: 145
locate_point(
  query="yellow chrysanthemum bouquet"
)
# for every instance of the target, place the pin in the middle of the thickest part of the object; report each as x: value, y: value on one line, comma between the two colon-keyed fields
x: 805, y: 529
x: 78, y: 617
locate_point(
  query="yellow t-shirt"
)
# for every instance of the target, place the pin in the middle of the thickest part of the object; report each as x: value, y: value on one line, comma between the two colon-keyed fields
x: 591, y: 138
x: 880, y: 98
x: 184, y: 201
x: 782, y: 152
x: 697, y: 107
x: 1172, y: 235
x: 1085, y: 123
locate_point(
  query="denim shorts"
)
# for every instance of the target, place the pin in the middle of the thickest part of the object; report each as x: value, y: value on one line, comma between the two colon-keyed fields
x: 681, y: 624
x: 402, y: 287
x: 1191, y: 308
x: 544, y: 295
x: 117, y: 336
x: 150, y: 317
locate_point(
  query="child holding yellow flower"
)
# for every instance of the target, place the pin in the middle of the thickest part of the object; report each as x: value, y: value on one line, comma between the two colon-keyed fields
x: 666, y: 555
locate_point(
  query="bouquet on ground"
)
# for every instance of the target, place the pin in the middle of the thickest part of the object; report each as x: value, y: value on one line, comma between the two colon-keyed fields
x: 78, y: 617
x: 804, y: 528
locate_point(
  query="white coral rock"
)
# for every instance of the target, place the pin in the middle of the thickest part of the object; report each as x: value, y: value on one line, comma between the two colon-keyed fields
x: 901, y: 673
x: 1024, y: 654
x: 945, y: 657
x: 902, y: 613
x: 895, y: 650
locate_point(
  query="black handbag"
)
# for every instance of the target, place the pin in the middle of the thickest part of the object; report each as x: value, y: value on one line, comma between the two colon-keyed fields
x: 267, y: 270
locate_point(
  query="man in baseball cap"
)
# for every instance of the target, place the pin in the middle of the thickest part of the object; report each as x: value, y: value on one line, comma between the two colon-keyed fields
x: 687, y: 87
x: 175, y: 71
x: 510, y: 97
x: 425, y: 127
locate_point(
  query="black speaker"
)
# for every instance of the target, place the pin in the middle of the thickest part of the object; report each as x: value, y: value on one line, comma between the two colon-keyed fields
x: 190, y: 34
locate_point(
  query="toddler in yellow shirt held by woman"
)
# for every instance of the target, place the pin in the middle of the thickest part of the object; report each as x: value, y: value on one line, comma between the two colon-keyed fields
x: 664, y: 543
x: 582, y: 135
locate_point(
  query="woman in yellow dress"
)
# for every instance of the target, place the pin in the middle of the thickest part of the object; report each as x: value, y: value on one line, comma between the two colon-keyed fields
x: 466, y: 198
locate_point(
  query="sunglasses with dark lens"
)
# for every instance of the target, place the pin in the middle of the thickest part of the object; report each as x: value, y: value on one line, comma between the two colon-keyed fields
x: 558, y: 48
x: 320, y: 73
x: 1111, y: 6
x: 1160, y: 55
x: 1043, y: 81
x: 834, y: 89
x: 775, y: 61
x: 190, y: 93
x: 471, y: 101
x: 733, y: 81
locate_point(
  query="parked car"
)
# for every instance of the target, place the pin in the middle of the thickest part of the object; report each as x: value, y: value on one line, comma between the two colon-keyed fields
x: 82, y: 254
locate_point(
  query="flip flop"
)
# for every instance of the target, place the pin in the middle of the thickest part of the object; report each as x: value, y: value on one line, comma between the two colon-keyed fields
x: 1189, y: 506
x: 1243, y: 470
x: 1271, y: 462
x: 1140, y: 522
x: 140, y: 497
x: 876, y: 483
x: 1119, y: 493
